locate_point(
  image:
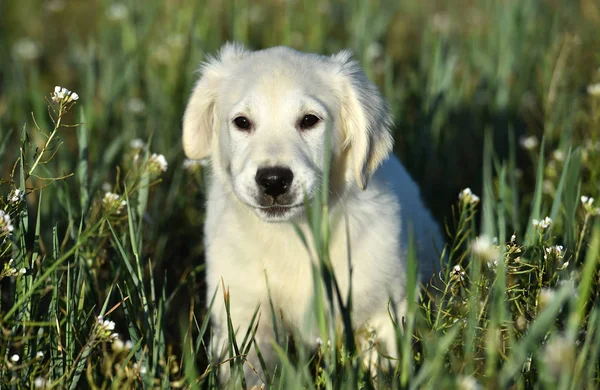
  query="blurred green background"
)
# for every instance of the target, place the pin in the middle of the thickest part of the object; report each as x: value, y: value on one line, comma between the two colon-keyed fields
x: 450, y: 70
x: 520, y: 71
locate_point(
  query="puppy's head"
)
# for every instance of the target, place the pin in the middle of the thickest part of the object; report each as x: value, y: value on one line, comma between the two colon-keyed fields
x: 264, y: 118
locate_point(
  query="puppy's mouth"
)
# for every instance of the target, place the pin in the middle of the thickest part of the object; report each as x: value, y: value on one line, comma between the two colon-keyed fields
x: 279, y: 213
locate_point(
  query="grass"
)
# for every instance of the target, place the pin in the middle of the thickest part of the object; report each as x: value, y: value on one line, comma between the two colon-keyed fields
x: 488, y: 95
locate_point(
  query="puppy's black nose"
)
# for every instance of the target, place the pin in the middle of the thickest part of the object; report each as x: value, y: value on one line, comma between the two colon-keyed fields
x: 274, y: 181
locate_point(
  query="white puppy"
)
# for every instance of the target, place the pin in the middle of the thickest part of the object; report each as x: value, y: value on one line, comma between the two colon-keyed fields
x: 263, y: 117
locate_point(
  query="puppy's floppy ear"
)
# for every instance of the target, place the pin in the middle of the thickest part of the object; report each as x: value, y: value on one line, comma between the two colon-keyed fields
x: 199, y: 118
x: 365, y: 119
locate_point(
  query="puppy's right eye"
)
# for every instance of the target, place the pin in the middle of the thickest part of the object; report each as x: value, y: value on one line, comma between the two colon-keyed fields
x: 242, y: 123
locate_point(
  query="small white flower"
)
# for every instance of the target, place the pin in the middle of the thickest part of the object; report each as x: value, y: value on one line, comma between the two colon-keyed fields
x: 128, y: 345
x: 559, y: 354
x: 117, y: 12
x: 558, y: 155
x: 486, y: 250
x: 63, y: 95
x: 110, y: 325
x: 136, y: 106
x: 140, y: 367
x: 5, y: 223
x: 26, y: 49
x: 468, y: 196
x: 113, y: 201
x: 543, y: 224
x: 157, y: 163
x: 529, y: 143
x: 137, y: 143
x: 586, y: 200
x: 39, y: 355
x: 15, y: 358
x: 458, y: 272
x: 118, y: 345
x: 194, y: 165
x: 374, y: 51
x: 594, y: 89
x: 40, y: 383
x: 15, y: 196
x: 587, y: 203
x: 513, y: 238
x: 22, y: 271
x: 546, y: 296
x: 556, y: 251
x: 467, y: 383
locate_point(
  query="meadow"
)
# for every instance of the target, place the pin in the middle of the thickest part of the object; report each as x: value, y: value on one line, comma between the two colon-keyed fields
x: 101, y: 251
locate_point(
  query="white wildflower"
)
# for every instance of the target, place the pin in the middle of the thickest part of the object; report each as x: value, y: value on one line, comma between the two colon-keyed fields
x: 548, y: 187
x: 128, y: 345
x: 374, y: 51
x: 513, y: 238
x: 458, y: 273
x: 556, y: 251
x: 15, y: 358
x: 105, y: 324
x: 140, y: 367
x: 40, y: 383
x: 39, y: 355
x: 594, y: 89
x: 486, y: 250
x: 117, y: 12
x: 137, y: 143
x: 546, y: 296
x: 26, y: 49
x: 588, y: 205
x: 15, y: 196
x: 63, y: 95
x: 136, y: 106
x: 118, y: 345
x: 22, y: 271
x: 559, y: 355
x: 543, y: 224
x: 5, y: 223
x: 109, y: 325
x: 468, y: 196
x: 529, y: 143
x: 194, y: 165
x: 114, y: 202
x: 558, y: 155
x: 467, y: 383
x: 157, y: 163
x: 586, y: 200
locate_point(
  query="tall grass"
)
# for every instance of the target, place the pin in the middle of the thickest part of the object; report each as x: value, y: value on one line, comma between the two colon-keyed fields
x: 496, y: 96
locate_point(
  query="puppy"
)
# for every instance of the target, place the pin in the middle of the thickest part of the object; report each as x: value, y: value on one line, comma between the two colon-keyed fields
x: 263, y: 118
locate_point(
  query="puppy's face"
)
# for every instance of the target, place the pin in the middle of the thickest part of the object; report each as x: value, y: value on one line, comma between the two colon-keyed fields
x: 273, y: 129
x: 265, y: 117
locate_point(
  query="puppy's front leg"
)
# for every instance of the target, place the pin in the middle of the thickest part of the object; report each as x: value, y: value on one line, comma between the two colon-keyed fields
x: 243, y: 327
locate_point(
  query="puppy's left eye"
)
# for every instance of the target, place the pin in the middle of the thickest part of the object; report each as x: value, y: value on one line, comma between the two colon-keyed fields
x: 309, y: 121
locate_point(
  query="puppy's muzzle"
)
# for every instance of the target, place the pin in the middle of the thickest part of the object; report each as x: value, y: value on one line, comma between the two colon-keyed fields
x: 274, y: 183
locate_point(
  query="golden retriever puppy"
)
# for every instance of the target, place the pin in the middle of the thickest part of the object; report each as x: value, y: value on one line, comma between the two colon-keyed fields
x: 263, y: 118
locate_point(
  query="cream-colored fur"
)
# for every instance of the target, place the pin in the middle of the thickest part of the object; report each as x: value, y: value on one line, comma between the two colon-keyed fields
x: 373, y: 200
